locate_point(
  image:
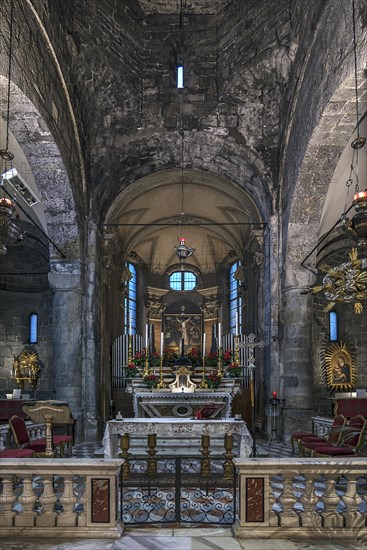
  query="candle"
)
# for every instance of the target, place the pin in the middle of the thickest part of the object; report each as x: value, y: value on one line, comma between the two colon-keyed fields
x: 204, y: 342
x: 219, y: 335
x: 237, y: 323
x: 146, y: 335
x: 161, y: 344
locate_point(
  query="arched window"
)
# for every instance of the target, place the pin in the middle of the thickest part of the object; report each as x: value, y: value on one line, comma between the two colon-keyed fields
x: 235, y: 300
x: 33, y: 328
x: 130, y: 302
x: 333, y: 326
x: 182, y: 280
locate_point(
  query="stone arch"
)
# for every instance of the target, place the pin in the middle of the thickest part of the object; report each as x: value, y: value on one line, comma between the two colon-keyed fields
x: 39, y: 162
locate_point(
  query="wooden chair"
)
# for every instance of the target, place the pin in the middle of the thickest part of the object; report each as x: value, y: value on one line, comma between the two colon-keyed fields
x: 307, y: 443
x: 353, y: 437
x: 38, y: 446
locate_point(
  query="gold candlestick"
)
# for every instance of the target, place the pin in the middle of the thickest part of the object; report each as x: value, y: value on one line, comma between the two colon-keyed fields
x: 161, y: 384
x: 146, y: 366
x: 220, y: 369
x: 130, y: 349
x: 237, y: 350
x: 203, y: 383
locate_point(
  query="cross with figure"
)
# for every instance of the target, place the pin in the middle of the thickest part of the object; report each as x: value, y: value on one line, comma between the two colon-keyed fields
x: 251, y: 345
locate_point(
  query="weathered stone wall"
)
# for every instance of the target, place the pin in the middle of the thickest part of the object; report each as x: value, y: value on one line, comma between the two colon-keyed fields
x: 24, y: 290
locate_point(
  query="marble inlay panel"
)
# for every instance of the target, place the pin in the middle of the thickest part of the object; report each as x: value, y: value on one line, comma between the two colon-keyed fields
x: 255, y: 499
x: 100, y: 500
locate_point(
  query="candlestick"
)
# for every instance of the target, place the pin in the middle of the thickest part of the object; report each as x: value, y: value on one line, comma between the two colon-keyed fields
x: 219, y: 335
x: 161, y: 384
x: 219, y: 364
x: 204, y: 343
x: 162, y: 338
x: 203, y: 381
x: 146, y: 366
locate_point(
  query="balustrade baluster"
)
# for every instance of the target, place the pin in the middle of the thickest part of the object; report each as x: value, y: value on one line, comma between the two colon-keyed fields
x: 351, y: 499
x: 7, y: 499
x: 67, y: 518
x: 273, y: 501
x: 289, y: 517
x: 330, y: 517
x: 205, y: 451
x: 310, y: 517
x: 48, y: 499
x: 28, y: 501
x: 152, y: 463
x: 228, y: 464
x: 82, y: 500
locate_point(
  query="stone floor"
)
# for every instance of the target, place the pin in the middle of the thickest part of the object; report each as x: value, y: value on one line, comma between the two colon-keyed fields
x: 179, y: 538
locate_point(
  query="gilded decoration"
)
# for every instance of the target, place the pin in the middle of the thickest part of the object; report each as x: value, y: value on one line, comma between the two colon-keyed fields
x: 27, y: 367
x: 339, y: 367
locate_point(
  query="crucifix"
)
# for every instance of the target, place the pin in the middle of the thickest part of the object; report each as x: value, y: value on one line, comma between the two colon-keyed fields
x: 251, y: 345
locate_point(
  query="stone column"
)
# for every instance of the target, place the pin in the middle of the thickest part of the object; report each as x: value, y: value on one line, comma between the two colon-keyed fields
x: 65, y: 280
x: 297, y: 364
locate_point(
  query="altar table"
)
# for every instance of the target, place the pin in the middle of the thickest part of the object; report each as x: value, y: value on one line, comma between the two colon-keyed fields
x: 173, y: 427
x: 155, y: 404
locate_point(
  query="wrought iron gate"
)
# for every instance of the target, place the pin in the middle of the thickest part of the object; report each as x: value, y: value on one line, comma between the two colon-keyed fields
x: 178, y: 490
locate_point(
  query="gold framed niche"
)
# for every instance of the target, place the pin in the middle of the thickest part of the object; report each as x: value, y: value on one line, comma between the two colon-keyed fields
x: 339, y: 367
x: 184, y: 328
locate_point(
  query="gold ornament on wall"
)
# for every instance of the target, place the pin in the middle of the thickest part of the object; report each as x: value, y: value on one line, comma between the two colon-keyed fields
x: 27, y: 367
x: 339, y: 367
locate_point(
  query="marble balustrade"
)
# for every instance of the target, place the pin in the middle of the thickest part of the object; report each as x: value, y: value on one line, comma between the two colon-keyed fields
x: 302, y: 498
x: 60, y: 498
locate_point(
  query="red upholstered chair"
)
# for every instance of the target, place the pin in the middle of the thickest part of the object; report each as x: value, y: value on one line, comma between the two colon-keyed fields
x: 353, y: 437
x: 16, y: 453
x: 22, y: 439
x: 308, y: 442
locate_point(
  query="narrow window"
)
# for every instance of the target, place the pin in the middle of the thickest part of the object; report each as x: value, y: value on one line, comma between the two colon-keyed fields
x: 180, y: 76
x: 333, y: 326
x: 235, y: 301
x: 33, y: 328
x: 130, y: 303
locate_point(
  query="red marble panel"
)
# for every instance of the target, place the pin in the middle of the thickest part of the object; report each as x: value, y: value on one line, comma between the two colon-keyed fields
x: 255, y: 499
x: 100, y: 500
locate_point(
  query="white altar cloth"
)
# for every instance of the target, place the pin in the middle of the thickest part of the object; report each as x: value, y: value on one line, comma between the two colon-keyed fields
x: 170, y: 427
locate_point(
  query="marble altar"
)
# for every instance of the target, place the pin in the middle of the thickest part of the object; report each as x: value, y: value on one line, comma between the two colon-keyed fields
x: 176, y: 427
x: 161, y: 403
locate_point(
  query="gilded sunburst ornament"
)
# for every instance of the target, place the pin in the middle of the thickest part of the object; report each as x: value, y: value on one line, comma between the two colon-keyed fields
x: 345, y: 283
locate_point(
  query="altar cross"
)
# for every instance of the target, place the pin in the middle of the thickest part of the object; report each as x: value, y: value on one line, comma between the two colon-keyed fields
x: 251, y: 345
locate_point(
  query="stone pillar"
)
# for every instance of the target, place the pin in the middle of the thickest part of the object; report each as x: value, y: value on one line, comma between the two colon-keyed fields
x: 67, y: 336
x: 297, y: 365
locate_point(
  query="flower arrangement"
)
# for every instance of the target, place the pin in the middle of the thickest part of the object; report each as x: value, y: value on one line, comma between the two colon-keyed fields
x: 211, y: 359
x: 213, y: 380
x: 227, y: 357
x: 193, y: 356
x: 169, y: 356
x: 139, y: 358
x: 151, y: 380
x: 154, y: 360
x: 234, y: 369
x: 131, y: 370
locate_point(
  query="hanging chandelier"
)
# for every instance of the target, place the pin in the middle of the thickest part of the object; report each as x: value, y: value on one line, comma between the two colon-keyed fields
x: 10, y: 234
x: 347, y: 282
x: 183, y: 251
